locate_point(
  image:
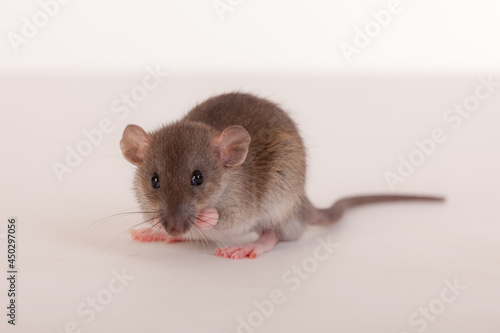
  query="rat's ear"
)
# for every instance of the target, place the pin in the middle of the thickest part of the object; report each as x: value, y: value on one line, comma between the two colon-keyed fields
x: 232, y: 145
x: 134, y: 144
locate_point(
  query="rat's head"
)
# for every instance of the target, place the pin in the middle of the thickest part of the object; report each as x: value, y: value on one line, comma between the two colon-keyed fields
x: 180, y: 169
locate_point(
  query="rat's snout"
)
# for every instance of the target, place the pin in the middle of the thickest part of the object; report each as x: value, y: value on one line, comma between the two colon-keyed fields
x: 174, y: 221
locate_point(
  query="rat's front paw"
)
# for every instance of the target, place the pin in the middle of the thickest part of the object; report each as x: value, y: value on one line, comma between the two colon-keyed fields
x: 207, y: 218
x: 153, y: 235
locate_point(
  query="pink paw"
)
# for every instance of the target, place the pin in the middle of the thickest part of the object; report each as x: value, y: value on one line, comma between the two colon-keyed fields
x: 265, y: 243
x: 153, y: 235
x: 207, y: 218
x: 237, y: 252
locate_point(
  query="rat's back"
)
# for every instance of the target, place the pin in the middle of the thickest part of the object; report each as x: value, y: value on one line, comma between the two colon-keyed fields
x: 257, y: 115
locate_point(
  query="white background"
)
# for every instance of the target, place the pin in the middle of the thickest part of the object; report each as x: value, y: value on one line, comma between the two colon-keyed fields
x: 356, y: 119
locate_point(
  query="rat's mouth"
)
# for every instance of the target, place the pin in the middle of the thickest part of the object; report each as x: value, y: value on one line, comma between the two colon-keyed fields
x: 207, y: 218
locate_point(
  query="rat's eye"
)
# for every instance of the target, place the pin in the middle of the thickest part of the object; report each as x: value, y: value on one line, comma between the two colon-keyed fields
x: 197, y: 178
x: 155, y: 181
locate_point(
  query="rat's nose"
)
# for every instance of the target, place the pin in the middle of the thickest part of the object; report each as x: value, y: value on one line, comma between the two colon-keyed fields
x: 174, y: 222
x: 174, y: 227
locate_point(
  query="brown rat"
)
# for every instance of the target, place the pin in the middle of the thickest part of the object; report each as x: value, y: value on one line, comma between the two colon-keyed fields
x: 234, y: 164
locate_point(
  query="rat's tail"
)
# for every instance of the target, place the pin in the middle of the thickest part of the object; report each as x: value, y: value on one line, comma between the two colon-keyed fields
x: 335, y: 212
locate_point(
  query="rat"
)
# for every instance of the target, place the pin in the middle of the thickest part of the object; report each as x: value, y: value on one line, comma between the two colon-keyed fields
x: 235, y: 164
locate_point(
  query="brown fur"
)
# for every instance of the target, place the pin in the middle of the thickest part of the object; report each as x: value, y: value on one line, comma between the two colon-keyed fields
x: 264, y: 193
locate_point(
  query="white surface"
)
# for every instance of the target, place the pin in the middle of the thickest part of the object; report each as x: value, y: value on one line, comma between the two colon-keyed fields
x: 392, y: 260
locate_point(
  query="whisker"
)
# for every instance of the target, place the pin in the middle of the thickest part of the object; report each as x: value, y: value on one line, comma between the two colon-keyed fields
x: 128, y: 229
x: 215, y: 233
x: 204, y: 239
x: 110, y: 217
x: 218, y: 240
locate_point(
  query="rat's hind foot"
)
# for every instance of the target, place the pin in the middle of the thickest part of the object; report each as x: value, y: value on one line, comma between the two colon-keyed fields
x: 265, y: 243
x: 154, y: 234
